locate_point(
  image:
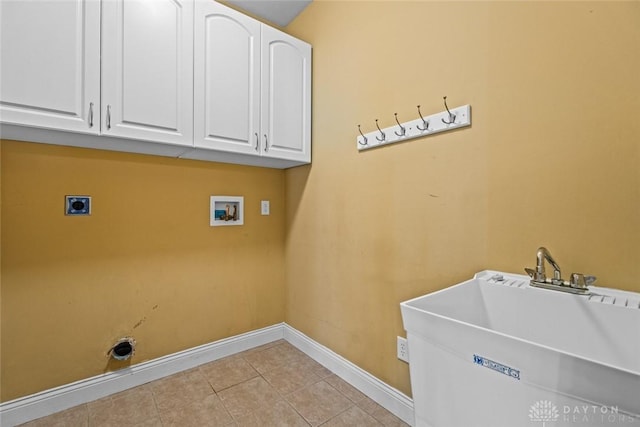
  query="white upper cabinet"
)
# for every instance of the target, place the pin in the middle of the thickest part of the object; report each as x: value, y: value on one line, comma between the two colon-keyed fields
x: 227, y: 79
x: 286, y: 96
x: 184, y: 78
x: 147, y: 70
x: 252, y: 87
x: 50, y: 64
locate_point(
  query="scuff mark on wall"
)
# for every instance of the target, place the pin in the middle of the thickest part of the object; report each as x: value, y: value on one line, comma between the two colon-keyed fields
x: 144, y: 319
x: 140, y: 322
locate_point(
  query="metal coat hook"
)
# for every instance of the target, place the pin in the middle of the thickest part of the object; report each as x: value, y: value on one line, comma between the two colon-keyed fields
x: 381, y: 133
x: 403, y: 130
x: 422, y: 126
x: 363, y: 137
x: 426, y: 123
x: 452, y: 117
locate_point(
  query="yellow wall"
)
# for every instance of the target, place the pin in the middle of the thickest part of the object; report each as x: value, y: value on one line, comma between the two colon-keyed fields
x: 552, y: 158
x: 146, y: 263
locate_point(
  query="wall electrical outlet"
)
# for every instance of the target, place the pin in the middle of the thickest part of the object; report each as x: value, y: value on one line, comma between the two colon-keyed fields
x: 77, y: 205
x: 403, y: 349
x: 264, y: 207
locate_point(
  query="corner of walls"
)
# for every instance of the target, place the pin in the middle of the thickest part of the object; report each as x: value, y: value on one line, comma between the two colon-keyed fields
x: 19, y: 411
x: 367, y: 230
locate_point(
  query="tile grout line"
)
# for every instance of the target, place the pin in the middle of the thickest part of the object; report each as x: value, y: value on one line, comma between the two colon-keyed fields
x: 283, y: 397
x: 155, y: 403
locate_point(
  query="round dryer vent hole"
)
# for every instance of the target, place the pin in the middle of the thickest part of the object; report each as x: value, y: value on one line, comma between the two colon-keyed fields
x: 123, y: 349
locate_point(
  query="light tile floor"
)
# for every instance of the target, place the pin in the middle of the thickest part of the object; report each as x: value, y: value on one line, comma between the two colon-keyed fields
x: 272, y: 385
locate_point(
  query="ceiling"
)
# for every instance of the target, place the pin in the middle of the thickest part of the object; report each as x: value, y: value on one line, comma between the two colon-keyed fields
x: 279, y: 12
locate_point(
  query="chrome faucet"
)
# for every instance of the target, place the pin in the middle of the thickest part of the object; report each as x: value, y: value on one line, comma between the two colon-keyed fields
x: 578, y: 283
x: 542, y: 255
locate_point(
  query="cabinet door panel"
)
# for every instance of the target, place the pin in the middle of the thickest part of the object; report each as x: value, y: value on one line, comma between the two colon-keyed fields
x: 286, y: 96
x: 147, y: 68
x: 50, y: 67
x: 227, y: 79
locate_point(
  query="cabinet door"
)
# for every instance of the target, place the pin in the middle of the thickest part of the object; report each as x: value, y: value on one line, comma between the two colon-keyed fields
x: 50, y: 67
x: 227, y: 79
x: 147, y: 70
x: 286, y: 96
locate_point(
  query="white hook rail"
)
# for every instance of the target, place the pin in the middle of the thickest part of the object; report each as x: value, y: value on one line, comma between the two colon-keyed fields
x: 443, y: 121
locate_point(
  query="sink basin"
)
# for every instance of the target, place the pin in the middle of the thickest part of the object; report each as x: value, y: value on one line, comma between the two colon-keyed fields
x: 495, y: 351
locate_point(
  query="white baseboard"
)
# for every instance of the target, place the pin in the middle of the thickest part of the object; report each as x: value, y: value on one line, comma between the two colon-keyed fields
x: 383, y: 394
x: 57, y: 399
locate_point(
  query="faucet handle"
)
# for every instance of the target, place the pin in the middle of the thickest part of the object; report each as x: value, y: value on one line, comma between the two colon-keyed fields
x: 590, y: 280
x: 579, y: 280
x: 535, y: 275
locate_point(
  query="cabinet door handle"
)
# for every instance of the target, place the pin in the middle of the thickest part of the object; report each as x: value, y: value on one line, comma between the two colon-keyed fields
x: 91, y: 114
x: 108, y: 117
x: 257, y: 142
x: 266, y: 143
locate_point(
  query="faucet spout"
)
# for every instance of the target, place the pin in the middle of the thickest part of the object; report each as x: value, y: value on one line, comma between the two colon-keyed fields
x: 541, y: 255
x: 579, y: 283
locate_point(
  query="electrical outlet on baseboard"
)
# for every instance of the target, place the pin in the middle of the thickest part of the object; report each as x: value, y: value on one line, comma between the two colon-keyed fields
x: 403, y: 349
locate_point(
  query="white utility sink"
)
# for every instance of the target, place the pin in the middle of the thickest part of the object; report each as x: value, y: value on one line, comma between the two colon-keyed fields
x: 494, y: 351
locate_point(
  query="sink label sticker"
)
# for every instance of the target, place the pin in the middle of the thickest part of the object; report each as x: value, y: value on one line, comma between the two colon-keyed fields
x: 499, y: 367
